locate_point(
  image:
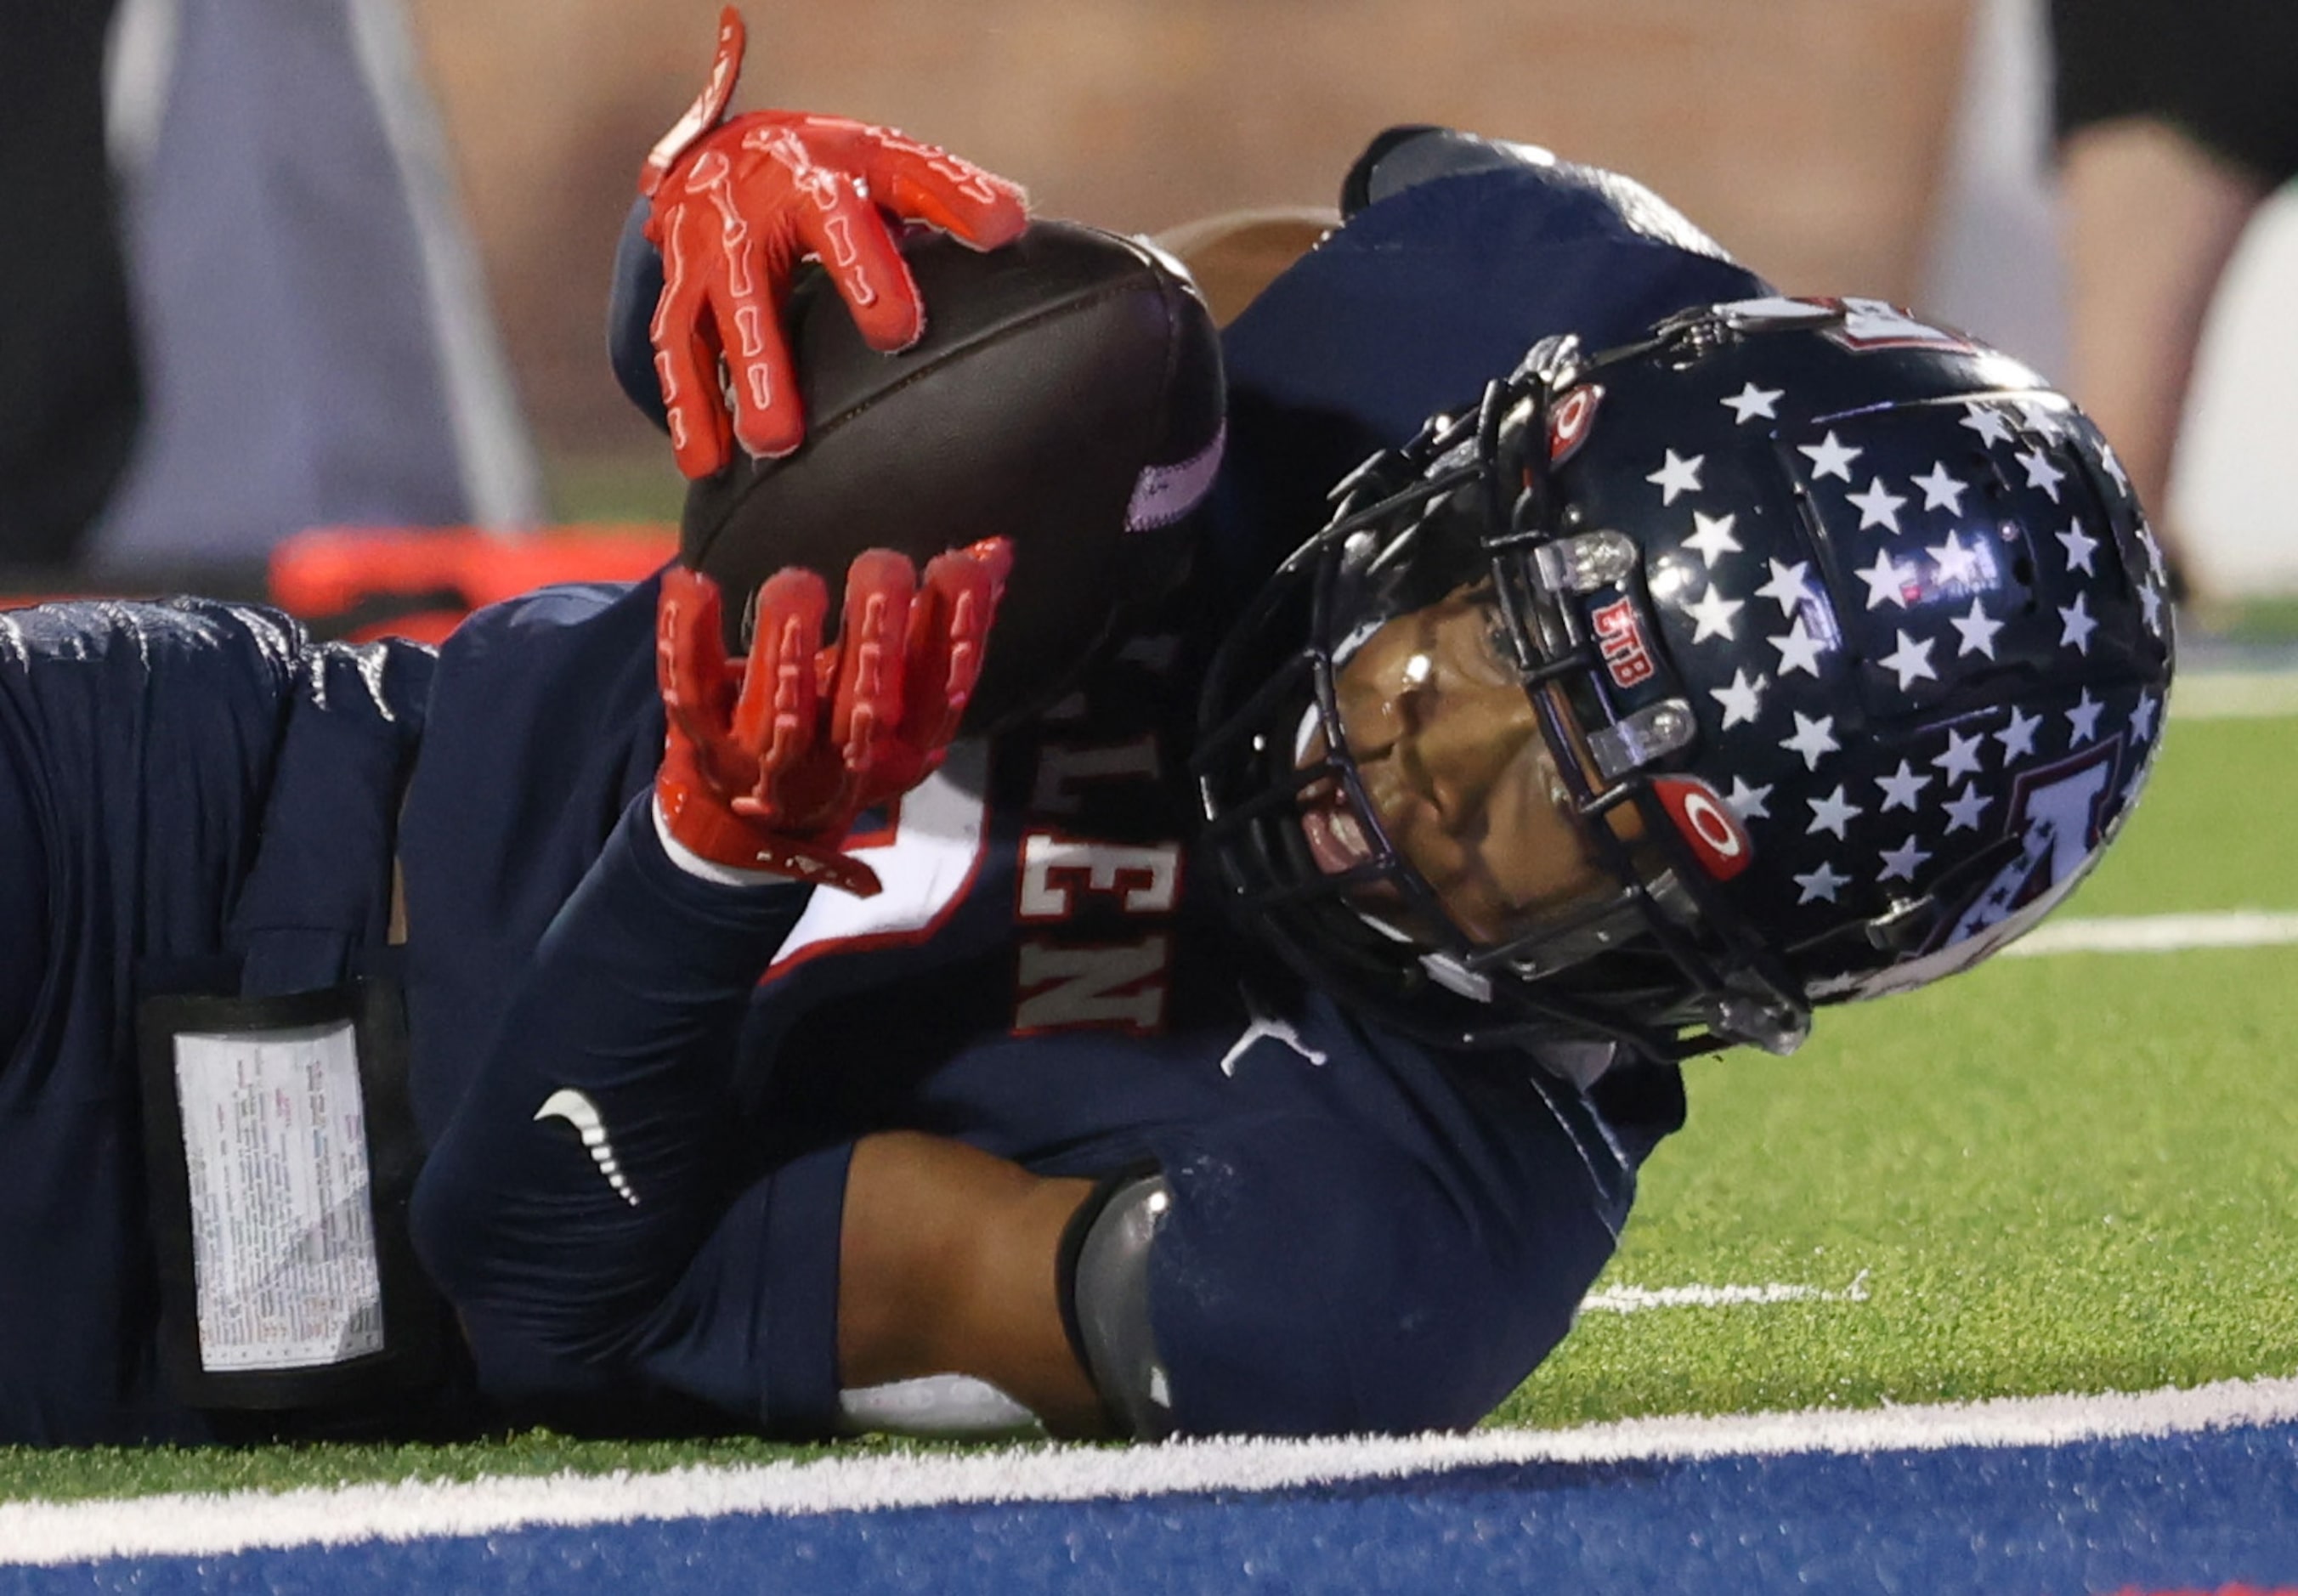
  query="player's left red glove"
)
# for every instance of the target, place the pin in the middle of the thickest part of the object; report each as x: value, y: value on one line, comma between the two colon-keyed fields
x: 766, y: 764
x: 738, y: 204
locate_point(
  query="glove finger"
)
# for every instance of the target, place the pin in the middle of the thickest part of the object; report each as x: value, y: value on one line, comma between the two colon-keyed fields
x: 747, y: 295
x: 866, y: 714
x: 777, y: 719
x: 851, y: 239
x: 769, y: 415
x: 742, y: 264
x: 926, y: 183
x: 692, y: 672
x: 686, y: 359
x: 701, y: 437
x: 949, y: 639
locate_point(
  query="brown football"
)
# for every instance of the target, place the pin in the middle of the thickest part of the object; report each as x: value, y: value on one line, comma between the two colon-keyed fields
x: 1066, y: 394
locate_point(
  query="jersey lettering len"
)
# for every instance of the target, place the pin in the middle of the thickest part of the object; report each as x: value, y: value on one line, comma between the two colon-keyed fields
x: 938, y: 842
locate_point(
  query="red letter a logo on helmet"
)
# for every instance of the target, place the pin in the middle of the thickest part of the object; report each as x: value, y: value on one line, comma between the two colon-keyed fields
x: 1717, y: 838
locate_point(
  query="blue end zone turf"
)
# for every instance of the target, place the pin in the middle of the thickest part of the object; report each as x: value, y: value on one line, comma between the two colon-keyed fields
x: 2179, y: 1512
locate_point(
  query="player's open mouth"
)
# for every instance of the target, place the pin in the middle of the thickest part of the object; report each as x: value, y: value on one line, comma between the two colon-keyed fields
x: 1336, y: 838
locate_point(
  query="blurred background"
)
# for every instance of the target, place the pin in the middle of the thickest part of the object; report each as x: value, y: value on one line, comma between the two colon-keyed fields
x: 1898, y: 148
x: 1808, y: 135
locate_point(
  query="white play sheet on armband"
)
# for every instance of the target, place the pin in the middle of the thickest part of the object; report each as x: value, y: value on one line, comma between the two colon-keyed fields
x: 283, y: 1247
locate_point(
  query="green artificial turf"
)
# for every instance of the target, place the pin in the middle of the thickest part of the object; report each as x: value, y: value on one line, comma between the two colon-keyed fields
x: 2065, y: 1174
x: 2217, y: 829
x: 2061, y: 1174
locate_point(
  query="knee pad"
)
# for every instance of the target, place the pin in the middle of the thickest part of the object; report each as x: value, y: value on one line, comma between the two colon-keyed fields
x: 1104, y: 1295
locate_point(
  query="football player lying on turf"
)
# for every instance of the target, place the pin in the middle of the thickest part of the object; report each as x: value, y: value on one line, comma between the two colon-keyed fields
x: 1735, y: 655
x: 1720, y: 662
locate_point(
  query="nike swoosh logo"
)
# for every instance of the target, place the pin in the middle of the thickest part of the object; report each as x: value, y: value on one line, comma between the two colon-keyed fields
x: 577, y: 1109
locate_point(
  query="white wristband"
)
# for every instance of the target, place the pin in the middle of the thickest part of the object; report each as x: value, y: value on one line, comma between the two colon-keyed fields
x: 709, y: 870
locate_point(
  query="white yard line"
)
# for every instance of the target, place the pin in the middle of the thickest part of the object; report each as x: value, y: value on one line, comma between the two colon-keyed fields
x: 1638, y: 1298
x: 47, y: 1533
x: 2233, y: 695
x: 2158, y: 933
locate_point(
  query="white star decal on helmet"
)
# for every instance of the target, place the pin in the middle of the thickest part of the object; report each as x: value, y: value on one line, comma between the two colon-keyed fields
x: 1676, y: 476
x: 1830, y: 457
x: 1713, y: 538
x: 1978, y: 630
x: 1903, y: 788
x: 1941, y: 489
x: 1964, y: 809
x: 1798, y: 649
x: 2077, y: 624
x: 1832, y: 812
x: 1743, y: 701
x: 1912, y: 660
x: 1900, y: 863
x: 1989, y: 423
x: 1748, y: 802
x: 1811, y: 738
x: 2041, y: 474
x: 2082, y: 720
x: 1713, y: 613
x: 1962, y: 756
x: 1878, y: 505
x: 1957, y: 561
x: 1789, y: 587
x: 1752, y: 401
x: 2142, y: 717
x: 1822, y: 883
x: 2080, y: 546
x: 2018, y: 738
x: 1886, y: 580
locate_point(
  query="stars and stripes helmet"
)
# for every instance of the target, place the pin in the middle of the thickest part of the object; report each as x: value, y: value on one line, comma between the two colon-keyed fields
x: 1848, y: 642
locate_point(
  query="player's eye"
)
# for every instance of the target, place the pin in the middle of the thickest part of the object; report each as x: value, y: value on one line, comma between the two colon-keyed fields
x: 1495, y: 651
x: 1498, y: 648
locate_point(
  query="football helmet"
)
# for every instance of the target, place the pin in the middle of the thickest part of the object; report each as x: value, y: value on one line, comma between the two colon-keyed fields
x: 1848, y: 645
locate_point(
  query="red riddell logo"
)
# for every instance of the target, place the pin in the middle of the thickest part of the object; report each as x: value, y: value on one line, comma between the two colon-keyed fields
x: 1568, y: 424
x: 1620, y: 636
x: 1715, y: 833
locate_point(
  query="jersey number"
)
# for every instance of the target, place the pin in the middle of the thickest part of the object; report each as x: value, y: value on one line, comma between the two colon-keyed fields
x: 926, y: 859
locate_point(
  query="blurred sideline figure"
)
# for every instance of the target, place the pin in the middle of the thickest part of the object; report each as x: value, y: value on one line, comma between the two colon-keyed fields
x: 2175, y: 121
x: 68, y: 387
x: 303, y: 319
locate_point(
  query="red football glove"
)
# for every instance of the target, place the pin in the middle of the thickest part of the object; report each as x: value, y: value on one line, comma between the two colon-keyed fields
x: 737, y: 204
x: 767, y: 764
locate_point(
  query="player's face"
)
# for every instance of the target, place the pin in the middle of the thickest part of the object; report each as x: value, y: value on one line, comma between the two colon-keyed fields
x: 1457, y: 771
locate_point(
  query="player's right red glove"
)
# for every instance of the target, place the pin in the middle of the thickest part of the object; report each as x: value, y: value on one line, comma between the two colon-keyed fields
x: 767, y: 764
x: 738, y: 202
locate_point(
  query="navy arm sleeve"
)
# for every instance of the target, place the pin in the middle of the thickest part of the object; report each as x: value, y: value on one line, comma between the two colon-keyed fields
x: 576, y: 1209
